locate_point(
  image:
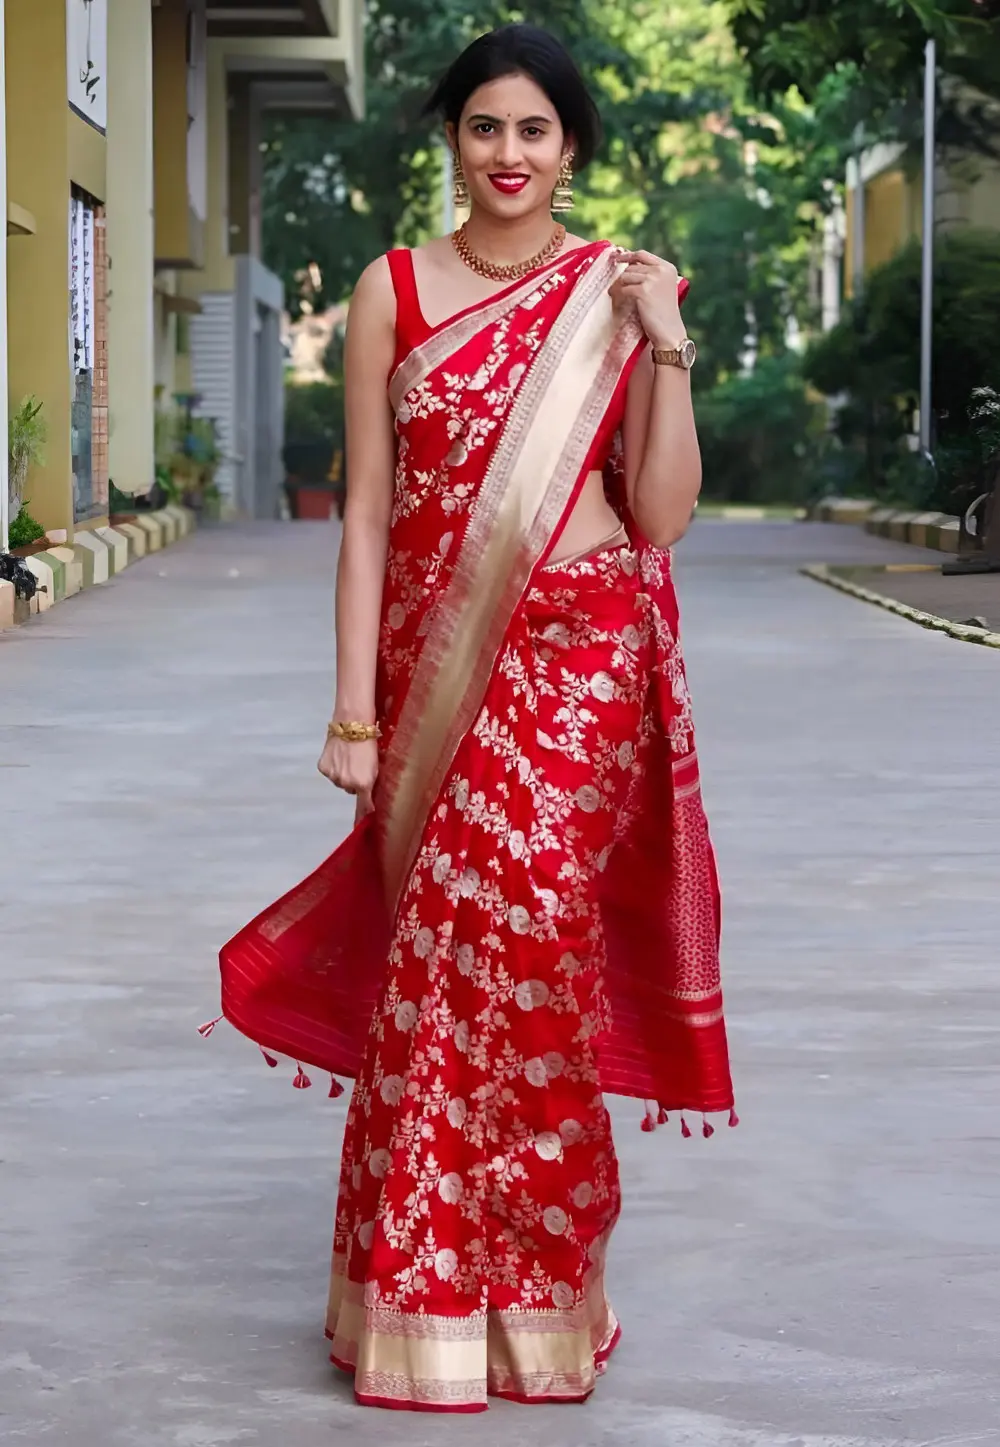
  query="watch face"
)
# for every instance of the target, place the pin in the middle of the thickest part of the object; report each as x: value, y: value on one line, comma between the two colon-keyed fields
x: 687, y: 351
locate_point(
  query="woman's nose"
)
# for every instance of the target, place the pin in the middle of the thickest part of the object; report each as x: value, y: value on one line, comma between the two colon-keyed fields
x: 508, y: 150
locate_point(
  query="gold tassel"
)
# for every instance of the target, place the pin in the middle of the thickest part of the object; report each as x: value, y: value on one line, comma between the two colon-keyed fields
x: 459, y: 189
x: 562, y: 196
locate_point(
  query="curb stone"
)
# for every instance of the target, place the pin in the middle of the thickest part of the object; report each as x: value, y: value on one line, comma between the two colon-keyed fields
x: 72, y: 570
x: 935, y: 530
x: 821, y: 573
x: 167, y: 521
x: 93, y: 557
x: 136, y: 540
x: 841, y: 509
x: 153, y: 529
x: 922, y: 529
x: 117, y: 546
x: 91, y: 552
x: 44, y: 569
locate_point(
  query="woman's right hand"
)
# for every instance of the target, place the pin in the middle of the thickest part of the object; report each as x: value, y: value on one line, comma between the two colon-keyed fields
x: 353, y: 767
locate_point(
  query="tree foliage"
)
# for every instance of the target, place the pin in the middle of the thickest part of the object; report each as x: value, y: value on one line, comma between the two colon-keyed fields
x: 760, y: 435
x: 728, y: 125
x: 863, y: 59
x: 872, y: 359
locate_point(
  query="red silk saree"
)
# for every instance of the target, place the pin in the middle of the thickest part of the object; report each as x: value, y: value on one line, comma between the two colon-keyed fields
x: 530, y: 918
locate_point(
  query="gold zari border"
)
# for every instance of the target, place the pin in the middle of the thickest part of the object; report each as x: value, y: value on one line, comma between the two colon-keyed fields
x: 457, y: 1361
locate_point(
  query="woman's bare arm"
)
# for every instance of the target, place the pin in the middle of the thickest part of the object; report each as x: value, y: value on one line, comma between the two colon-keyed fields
x: 371, y: 462
x: 662, y: 457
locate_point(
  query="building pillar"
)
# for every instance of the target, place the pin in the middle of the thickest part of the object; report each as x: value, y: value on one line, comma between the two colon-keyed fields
x: 217, y: 273
x: 130, y: 240
x: 833, y: 252
x: 38, y: 266
x: 5, y: 518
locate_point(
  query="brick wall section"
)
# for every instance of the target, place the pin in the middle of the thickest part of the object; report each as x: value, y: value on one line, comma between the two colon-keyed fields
x: 99, y: 436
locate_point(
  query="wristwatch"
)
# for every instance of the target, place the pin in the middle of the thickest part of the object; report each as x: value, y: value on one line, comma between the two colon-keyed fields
x: 682, y: 355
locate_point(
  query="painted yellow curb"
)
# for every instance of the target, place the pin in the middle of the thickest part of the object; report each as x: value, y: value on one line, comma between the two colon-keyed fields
x: 65, y: 569
x: 137, y: 537
x: 6, y: 604
x: 46, y: 578
x: 962, y: 631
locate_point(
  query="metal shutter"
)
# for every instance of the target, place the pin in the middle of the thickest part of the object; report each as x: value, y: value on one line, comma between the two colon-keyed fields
x: 213, y: 373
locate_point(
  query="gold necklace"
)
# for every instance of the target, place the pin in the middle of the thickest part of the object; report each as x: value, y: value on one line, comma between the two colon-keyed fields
x: 491, y: 271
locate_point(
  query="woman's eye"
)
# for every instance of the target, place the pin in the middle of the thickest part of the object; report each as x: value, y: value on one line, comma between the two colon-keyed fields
x: 531, y: 132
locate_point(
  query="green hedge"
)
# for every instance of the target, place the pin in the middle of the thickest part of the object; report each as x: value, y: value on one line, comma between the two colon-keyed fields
x: 314, y: 412
x: 872, y: 360
x: 760, y: 435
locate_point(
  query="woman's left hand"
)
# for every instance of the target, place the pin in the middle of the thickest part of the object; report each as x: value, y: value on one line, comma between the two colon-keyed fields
x: 650, y: 284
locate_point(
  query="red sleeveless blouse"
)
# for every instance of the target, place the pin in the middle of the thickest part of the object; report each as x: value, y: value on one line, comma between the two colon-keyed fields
x: 411, y: 328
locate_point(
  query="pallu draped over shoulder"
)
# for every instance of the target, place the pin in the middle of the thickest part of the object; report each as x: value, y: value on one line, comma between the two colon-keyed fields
x: 530, y: 918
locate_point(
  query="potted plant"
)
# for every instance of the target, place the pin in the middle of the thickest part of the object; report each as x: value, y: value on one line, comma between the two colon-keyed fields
x: 26, y: 434
x: 313, y: 452
x: 26, y: 535
x: 202, y: 455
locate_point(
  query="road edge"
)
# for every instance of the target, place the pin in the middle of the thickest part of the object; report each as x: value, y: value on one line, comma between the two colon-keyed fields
x: 963, y: 632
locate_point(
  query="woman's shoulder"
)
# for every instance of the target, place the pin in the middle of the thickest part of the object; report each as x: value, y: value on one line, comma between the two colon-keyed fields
x: 373, y: 301
x: 435, y: 254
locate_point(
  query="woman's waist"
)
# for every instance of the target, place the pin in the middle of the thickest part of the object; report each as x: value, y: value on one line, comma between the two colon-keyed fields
x: 590, y: 525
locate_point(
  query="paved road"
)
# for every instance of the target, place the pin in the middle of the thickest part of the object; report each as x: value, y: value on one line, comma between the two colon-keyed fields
x: 828, y: 1275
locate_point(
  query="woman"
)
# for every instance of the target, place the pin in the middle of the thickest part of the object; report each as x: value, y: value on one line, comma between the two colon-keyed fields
x: 526, y: 914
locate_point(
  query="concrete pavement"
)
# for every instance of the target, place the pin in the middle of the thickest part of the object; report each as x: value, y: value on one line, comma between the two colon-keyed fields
x: 827, y: 1275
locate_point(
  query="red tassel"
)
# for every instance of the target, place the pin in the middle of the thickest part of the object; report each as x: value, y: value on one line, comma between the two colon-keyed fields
x: 733, y: 1118
x: 335, y: 1088
x: 685, y: 1129
x: 707, y: 1130
x: 301, y: 1081
x: 662, y: 1117
x: 205, y: 1030
x: 648, y: 1123
x: 269, y: 1058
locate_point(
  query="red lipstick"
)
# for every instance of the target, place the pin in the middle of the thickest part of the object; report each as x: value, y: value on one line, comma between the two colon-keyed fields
x: 509, y: 183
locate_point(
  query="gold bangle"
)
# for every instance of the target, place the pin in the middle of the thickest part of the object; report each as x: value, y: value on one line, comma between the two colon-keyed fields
x: 353, y: 733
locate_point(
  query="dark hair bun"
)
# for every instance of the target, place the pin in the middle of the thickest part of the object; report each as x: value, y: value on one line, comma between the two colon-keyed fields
x: 523, y: 50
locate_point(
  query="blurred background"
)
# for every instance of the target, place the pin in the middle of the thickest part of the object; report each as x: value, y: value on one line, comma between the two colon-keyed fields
x: 774, y: 150
x: 212, y: 178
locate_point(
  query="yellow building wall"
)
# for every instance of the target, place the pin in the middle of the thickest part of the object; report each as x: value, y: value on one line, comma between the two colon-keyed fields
x: 893, y: 216
x: 180, y: 240
x: 888, y: 217
x: 87, y: 152
x: 38, y: 166
x: 48, y: 149
x: 218, y: 272
x: 984, y: 198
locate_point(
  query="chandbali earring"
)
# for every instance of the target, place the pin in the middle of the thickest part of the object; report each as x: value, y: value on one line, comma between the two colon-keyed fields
x: 459, y: 187
x: 562, y: 196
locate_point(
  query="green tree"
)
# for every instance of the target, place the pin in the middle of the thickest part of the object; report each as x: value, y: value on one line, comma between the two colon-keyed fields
x: 872, y: 357
x: 693, y: 167
x: 865, y: 57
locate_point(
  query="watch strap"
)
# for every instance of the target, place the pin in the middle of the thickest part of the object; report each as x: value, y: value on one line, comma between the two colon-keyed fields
x: 679, y: 356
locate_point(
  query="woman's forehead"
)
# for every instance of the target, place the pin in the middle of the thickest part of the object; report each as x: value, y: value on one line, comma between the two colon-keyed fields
x: 511, y: 98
